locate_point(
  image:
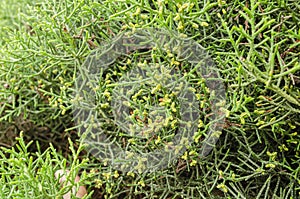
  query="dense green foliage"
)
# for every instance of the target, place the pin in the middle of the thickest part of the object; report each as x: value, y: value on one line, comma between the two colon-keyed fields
x: 255, y: 45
